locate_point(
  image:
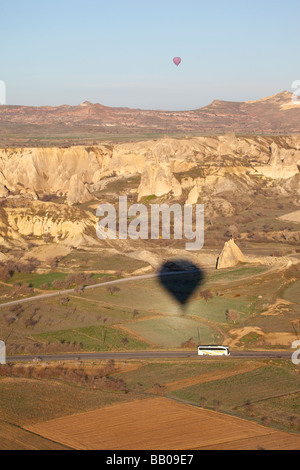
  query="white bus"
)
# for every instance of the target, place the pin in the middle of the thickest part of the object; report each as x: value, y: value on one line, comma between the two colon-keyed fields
x: 213, y: 350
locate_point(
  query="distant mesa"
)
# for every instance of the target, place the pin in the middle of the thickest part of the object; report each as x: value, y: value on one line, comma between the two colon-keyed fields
x: 231, y: 256
x: 283, y: 99
x: 277, y: 114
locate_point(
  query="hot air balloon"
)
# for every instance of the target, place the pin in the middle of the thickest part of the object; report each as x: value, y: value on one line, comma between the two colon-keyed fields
x: 177, y: 60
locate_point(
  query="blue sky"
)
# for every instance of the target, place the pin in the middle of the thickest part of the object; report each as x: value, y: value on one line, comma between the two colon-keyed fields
x: 119, y: 53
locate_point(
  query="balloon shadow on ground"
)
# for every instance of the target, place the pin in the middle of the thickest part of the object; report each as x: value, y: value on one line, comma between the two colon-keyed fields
x: 181, y: 278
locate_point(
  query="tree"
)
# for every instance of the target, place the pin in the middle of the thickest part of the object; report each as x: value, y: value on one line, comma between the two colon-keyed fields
x: 10, y: 319
x: 202, y: 401
x: 80, y: 279
x: 265, y: 421
x: 53, y: 262
x: 232, y: 316
x: 125, y: 340
x: 113, y: 290
x: 217, y: 405
x: 31, y: 322
x: 22, y: 290
x: 292, y: 421
x: 16, y: 309
x: 33, y: 264
x: 79, y: 290
x: 206, y: 295
x: 28, y: 267
x: 45, y: 286
x: 59, y: 284
x: 135, y: 313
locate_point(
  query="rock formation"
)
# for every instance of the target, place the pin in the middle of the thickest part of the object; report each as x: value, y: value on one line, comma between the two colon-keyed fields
x: 230, y: 256
x: 193, y: 196
x: 75, y: 173
x: 77, y: 191
x: 157, y: 178
x: 39, y: 187
x: 49, y: 196
x: 37, y: 219
x: 3, y: 191
x: 52, y: 171
x: 283, y: 163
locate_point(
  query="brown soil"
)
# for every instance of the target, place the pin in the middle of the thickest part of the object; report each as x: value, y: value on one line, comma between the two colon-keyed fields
x: 160, y: 423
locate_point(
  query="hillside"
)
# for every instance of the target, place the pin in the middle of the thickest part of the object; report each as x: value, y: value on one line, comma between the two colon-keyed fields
x: 87, y: 123
x: 48, y: 200
x: 51, y: 194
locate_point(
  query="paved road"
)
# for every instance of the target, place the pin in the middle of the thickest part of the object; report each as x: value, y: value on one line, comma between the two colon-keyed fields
x: 149, y: 355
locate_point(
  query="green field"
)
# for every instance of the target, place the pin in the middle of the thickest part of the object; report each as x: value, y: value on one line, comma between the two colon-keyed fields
x: 271, y: 392
x: 214, y: 310
x: 165, y: 372
x: 145, y: 310
x: 94, y: 338
x: 141, y: 295
x: 89, y: 261
x: 171, y: 332
x: 283, y: 411
x: 37, y: 280
x: 155, y: 299
x: 54, y: 318
x: 232, y: 274
x: 253, y: 386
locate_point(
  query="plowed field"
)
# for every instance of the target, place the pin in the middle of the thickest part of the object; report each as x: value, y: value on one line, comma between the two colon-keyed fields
x: 160, y: 423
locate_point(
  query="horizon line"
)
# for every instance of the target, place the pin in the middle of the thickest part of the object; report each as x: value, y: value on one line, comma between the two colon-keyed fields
x: 87, y: 103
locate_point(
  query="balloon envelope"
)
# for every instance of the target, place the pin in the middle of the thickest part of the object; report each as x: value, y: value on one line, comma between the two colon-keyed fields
x: 177, y: 60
